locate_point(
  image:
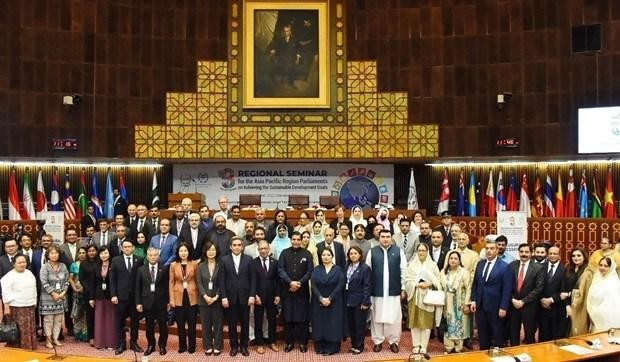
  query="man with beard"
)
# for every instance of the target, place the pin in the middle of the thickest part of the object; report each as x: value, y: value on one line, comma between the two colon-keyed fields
x: 88, y: 219
x: 425, y: 234
x: 194, y: 236
x: 376, y: 231
x: 236, y: 224
x: 540, y: 252
x: 141, y: 224
x: 405, y: 240
x: 359, y: 233
x: 248, y: 233
x: 154, y: 219
x: 120, y: 204
x: 205, y: 217
x: 179, y: 222
x: 220, y: 235
x: 444, y: 229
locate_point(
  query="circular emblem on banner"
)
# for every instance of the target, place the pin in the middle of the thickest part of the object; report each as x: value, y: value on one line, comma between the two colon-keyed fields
x: 227, y: 176
x: 360, y: 186
x: 203, y: 177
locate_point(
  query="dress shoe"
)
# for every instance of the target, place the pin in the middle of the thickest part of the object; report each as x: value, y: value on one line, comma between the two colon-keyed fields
x: 162, y: 351
x: 233, y: 352
x: 191, y: 350
x: 394, y: 348
x: 149, y: 350
x: 376, y: 348
x: 136, y: 348
x: 288, y: 348
x: 274, y: 347
x: 244, y: 351
x: 216, y: 352
x: 182, y: 350
x: 355, y: 351
x: 260, y: 350
x: 120, y: 349
x: 209, y: 352
x: 303, y: 348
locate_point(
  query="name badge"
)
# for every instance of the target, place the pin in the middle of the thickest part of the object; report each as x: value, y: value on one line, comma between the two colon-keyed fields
x: 152, y: 287
x: 57, y: 287
x: 210, y: 286
x: 104, y: 286
x: 184, y: 285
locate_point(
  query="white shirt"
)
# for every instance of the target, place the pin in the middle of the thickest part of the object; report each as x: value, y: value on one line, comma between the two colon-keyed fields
x: 194, y: 233
x: 236, y: 261
x: 237, y: 227
x: 151, y: 266
x: 72, y: 250
x: 555, y: 267
x: 19, y: 289
x: 490, y: 268
x: 436, y: 253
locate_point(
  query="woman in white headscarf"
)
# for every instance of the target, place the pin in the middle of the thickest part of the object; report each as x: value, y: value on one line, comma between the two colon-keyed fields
x: 357, y: 216
x: 421, y: 276
x: 604, y: 297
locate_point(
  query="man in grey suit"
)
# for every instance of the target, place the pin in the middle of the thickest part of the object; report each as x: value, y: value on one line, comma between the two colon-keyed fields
x: 104, y: 236
x: 406, y: 239
x: 70, y: 248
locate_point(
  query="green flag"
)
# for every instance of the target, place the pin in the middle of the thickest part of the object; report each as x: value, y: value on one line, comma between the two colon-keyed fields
x: 155, y: 190
x: 595, y: 198
x: 82, y: 199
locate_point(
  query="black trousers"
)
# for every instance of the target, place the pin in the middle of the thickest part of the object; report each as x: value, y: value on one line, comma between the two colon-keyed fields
x: 186, y: 315
x: 356, y: 318
x: 238, y: 313
x: 527, y: 317
x: 157, y: 314
x: 90, y: 319
x: 552, y: 322
x: 327, y: 346
x: 68, y: 319
x: 259, y: 311
x: 127, y: 309
x: 490, y: 329
x: 296, y: 332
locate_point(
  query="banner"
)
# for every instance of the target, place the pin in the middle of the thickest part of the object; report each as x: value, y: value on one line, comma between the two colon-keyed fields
x: 361, y: 184
x: 55, y: 225
x: 513, y: 225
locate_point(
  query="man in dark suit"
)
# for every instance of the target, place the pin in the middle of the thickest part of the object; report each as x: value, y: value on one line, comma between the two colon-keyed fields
x: 490, y: 297
x: 154, y: 218
x: 529, y: 283
x: 116, y: 245
x: 179, y: 222
x: 552, y: 316
x: 10, y: 251
x: 25, y: 248
x: 89, y: 238
x: 122, y: 283
x: 220, y: 234
x: 141, y: 224
x: 238, y: 294
x: 195, y: 237
x: 88, y: 219
x: 152, y: 299
x: 336, y: 248
x: 120, y: 204
x: 437, y: 250
x: 267, y: 298
x: 445, y: 228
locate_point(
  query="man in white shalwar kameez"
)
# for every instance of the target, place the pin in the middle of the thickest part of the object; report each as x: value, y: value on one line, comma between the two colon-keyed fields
x: 388, y: 264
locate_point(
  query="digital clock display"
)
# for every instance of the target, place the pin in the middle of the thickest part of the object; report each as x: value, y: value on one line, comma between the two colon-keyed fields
x: 507, y: 142
x: 64, y: 144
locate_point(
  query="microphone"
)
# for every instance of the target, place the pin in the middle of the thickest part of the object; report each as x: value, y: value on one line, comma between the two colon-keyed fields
x: 135, y: 355
x: 611, y: 336
x: 195, y: 185
x: 496, y: 351
x: 417, y: 354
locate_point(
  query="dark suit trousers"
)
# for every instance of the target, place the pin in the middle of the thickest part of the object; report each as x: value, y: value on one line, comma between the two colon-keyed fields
x: 127, y: 309
x: 552, y: 322
x: 490, y: 329
x: 296, y: 331
x: 90, y: 319
x: 156, y: 314
x: 357, y: 326
x: 238, y: 313
x: 68, y: 319
x: 211, y: 324
x: 186, y: 314
x: 527, y: 317
x: 259, y: 311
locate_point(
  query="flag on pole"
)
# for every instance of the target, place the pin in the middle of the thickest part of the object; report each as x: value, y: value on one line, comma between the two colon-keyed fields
x: 500, y: 204
x: 471, y: 195
x: 94, y: 196
x: 1, y: 210
x: 55, y: 195
x: 109, y: 196
x: 490, y: 196
x: 559, y: 198
x: 41, y: 199
x: 583, y: 196
x: 412, y: 199
x: 596, y: 197
x: 28, y: 212
x: 444, y: 197
x: 122, y: 190
x: 480, y: 195
x: 548, y: 195
x: 511, y: 199
x: 69, y: 206
x: 82, y: 198
x: 571, y: 196
x: 14, y: 213
x: 539, y: 206
x: 524, y: 197
x: 155, y: 190
x: 460, y: 196
x: 609, y: 209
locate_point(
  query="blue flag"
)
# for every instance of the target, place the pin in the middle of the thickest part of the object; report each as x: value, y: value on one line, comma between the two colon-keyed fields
x: 55, y: 197
x: 94, y: 197
x: 109, y: 197
x: 460, y: 197
x: 471, y: 195
x: 583, y: 196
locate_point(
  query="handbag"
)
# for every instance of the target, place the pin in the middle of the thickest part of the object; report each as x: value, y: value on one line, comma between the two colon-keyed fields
x: 436, y: 298
x: 9, y: 331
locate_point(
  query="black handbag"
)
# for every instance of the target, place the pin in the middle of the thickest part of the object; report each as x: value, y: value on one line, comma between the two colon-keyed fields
x: 9, y: 331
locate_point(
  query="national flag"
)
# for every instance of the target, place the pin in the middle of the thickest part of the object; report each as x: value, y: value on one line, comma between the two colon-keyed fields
x: 571, y: 196
x: 122, y: 190
x: 583, y: 196
x: 82, y: 198
x: 41, y: 199
x: 412, y: 199
x: 480, y: 197
x: 14, y: 213
x: 55, y: 195
x: 94, y: 196
x: 155, y: 190
x: 511, y: 199
x: 490, y: 196
x: 609, y: 208
x: 596, y: 198
x: 500, y: 204
x: 69, y: 206
x: 109, y: 196
x: 28, y: 211
x: 444, y: 197
x: 1, y: 210
x: 548, y: 195
x: 524, y: 197
x: 559, y: 198
x: 460, y: 196
x: 538, y: 209
x: 471, y: 195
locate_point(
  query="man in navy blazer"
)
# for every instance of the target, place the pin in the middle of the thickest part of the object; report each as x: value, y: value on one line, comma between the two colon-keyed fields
x: 336, y: 248
x: 490, y: 300
x: 265, y: 269
x: 165, y: 242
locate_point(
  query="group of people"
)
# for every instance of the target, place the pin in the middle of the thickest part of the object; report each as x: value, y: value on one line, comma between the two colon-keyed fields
x: 328, y: 277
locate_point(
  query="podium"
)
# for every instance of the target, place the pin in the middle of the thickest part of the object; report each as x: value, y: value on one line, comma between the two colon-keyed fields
x: 198, y: 199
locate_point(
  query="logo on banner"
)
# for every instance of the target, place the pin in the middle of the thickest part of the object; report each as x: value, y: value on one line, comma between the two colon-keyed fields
x: 360, y: 186
x: 202, y: 178
x: 227, y: 177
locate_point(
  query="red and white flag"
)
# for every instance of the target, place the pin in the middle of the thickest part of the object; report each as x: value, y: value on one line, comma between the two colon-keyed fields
x: 28, y: 213
x: 524, y: 199
x: 444, y: 198
x: 41, y: 199
x: 13, y: 198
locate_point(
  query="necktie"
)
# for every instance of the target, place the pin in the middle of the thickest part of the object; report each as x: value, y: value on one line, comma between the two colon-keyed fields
x: 550, y: 274
x: 104, y: 239
x: 405, y: 242
x: 236, y: 266
x: 128, y: 263
x: 265, y: 265
x: 162, y: 240
x: 520, y: 277
x: 453, y: 245
x: 153, y: 273
x: 140, y: 223
x: 485, y: 273
x: 10, y: 259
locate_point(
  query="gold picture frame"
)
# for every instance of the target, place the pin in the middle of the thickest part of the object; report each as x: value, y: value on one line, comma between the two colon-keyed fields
x: 286, y: 55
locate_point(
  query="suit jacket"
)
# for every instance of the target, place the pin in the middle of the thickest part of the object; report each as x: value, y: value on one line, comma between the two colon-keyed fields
x: 155, y: 225
x: 143, y: 294
x: 5, y: 265
x: 35, y: 263
x: 88, y: 220
x: 447, y: 237
x: 340, y: 258
x: 442, y: 256
x: 174, y: 230
x: 495, y: 292
x: 120, y: 206
x: 69, y: 258
x: 90, y: 276
x: 175, y: 283
x: 357, y: 289
x: 195, y: 251
x: 533, y: 282
x: 411, y: 244
x: 167, y: 252
x: 202, y: 279
x: 147, y: 229
x: 97, y: 238
x: 122, y: 281
x: 267, y: 285
x: 553, y: 286
x: 237, y: 286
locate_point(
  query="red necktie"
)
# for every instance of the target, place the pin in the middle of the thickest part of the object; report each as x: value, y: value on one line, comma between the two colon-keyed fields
x: 520, y: 278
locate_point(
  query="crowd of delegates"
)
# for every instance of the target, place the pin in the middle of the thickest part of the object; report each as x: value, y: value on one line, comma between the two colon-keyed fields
x: 328, y: 277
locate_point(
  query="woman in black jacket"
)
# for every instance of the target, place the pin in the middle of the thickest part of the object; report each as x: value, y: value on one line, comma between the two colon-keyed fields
x: 87, y: 272
x: 357, y: 297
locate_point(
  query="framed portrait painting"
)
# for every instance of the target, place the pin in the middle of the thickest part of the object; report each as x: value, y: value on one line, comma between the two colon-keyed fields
x: 286, y: 54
